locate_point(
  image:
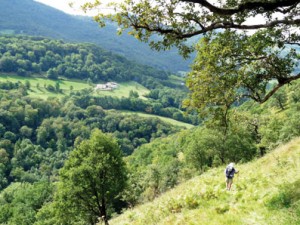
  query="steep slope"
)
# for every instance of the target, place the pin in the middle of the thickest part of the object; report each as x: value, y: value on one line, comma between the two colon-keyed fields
x: 266, y: 191
x: 33, y: 18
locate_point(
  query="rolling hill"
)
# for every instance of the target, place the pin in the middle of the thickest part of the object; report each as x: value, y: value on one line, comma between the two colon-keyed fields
x: 266, y: 191
x: 33, y: 18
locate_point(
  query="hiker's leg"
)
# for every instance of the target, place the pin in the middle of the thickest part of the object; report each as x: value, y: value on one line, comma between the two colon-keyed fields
x: 229, y: 184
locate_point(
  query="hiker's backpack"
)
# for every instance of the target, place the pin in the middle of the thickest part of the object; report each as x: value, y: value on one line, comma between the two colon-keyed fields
x: 229, y: 172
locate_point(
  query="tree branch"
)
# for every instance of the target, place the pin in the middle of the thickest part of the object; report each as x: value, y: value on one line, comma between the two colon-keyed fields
x: 279, y: 85
x: 293, y: 43
x: 254, y: 5
x: 214, y: 26
x: 287, y: 10
x: 247, y: 59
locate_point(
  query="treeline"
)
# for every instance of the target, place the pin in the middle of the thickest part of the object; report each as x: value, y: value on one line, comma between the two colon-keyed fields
x: 53, y: 58
x: 164, y: 102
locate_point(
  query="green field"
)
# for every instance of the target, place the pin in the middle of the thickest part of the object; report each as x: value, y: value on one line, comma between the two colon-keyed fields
x: 37, y: 87
x: 176, y: 80
x: 165, y: 119
x: 7, y: 32
x: 124, y: 89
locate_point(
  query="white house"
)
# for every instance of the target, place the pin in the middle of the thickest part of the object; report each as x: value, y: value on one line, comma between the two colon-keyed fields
x: 106, y: 87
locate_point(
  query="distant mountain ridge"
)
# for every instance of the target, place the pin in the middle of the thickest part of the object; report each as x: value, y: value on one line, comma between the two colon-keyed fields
x: 33, y: 18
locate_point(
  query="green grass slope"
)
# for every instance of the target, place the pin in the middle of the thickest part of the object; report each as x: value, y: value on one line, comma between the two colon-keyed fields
x: 165, y: 119
x: 266, y: 191
x: 41, y: 92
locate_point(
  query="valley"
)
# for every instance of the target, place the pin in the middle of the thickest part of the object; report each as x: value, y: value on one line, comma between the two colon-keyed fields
x: 138, y: 129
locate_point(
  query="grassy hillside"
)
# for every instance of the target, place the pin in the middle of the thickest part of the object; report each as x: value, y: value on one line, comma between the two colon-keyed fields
x: 37, y: 87
x: 124, y: 88
x: 266, y: 191
x: 165, y: 119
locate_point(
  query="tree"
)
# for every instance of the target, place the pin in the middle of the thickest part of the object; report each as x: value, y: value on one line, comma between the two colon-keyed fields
x: 243, y: 61
x: 231, y: 67
x: 27, y: 84
x: 91, y: 180
x: 52, y: 74
x: 21, y: 201
x: 8, y: 64
x: 133, y: 94
x: 57, y: 87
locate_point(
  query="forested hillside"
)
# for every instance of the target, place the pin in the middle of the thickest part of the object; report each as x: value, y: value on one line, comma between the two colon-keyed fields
x: 58, y: 61
x: 37, y: 137
x: 33, y: 18
x: 34, y: 55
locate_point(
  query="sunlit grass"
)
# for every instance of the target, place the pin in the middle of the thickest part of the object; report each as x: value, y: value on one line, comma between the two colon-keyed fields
x: 165, y: 119
x: 37, y: 87
x: 260, y: 195
x: 176, y: 80
x: 124, y: 89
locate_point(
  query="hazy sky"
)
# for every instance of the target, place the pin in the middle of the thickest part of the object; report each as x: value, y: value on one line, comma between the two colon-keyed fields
x: 64, y: 5
x: 75, y: 9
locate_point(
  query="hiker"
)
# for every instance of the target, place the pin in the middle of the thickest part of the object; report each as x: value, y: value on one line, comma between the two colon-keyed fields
x: 229, y: 173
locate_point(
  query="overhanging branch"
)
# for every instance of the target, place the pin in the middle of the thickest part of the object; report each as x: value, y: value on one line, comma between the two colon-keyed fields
x: 253, y: 5
x: 221, y: 25
x: 214, y: 26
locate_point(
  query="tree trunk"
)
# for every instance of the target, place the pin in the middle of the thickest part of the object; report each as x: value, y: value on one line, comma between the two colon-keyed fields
x: 103, y: 212
x: 262, y: 151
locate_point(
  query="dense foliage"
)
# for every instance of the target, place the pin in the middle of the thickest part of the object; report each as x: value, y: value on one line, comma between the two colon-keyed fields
x: 231, y: 67
x: 90, y: 183
x: 163, y: 102
x: 251, y: 131
x: 21, y: 201
x: 36, y: 136
x: 32, y: 55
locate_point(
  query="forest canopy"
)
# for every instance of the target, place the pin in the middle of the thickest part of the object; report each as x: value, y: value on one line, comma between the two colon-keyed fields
x: 27, y: 55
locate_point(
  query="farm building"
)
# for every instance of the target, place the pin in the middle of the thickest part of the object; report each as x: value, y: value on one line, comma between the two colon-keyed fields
x: 106, y: 87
